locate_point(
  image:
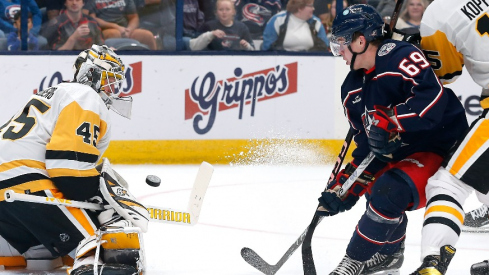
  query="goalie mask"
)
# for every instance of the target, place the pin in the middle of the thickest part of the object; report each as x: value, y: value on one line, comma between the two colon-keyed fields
x: 101, y: 69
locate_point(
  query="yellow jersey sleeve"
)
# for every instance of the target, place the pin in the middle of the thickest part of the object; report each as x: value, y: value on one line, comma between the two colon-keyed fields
x: 445, y: 60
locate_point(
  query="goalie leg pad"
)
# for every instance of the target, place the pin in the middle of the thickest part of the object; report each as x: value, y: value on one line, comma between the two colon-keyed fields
x: 119, y: 197
x: 115, y: 249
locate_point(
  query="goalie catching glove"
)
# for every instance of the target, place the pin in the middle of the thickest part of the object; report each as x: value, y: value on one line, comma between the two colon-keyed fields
x: 383, y: 133
x: 331, y: 204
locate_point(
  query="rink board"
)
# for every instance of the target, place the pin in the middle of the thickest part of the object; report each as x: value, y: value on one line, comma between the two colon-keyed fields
x: 202, y: 107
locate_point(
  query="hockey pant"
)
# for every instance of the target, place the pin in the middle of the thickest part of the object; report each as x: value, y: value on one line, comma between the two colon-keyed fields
x: 399, y: 187
x: 58, y: 228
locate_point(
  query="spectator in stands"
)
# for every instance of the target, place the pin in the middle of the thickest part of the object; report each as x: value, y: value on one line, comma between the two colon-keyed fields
x: 321, y: 10
x: 328, y: 20
x: 385, y: 8
x: 223, y: 33
x: 119, y: 19
x: 207, y: 7
x: 13, y: 38
x: 373, y: 3
x: 296, y: 29
x: 8, y: 8
x: 410, y: 16
x: 256, y: 13
x: 74, y: 30
x: 158, y: 16
x: 193, y: 19
x: 53, y: 8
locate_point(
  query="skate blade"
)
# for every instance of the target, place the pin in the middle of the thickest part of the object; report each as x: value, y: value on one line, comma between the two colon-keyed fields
x: 468, y: 229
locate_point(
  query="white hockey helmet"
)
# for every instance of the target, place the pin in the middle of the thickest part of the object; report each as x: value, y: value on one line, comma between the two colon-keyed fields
x: 100, y: 68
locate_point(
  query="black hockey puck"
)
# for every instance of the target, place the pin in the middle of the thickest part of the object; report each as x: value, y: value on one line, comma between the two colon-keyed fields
x: 153, y: 180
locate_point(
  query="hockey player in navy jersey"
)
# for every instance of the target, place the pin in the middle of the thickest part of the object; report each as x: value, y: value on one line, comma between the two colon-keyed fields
x: 402, y: 113
x: 50, y: 148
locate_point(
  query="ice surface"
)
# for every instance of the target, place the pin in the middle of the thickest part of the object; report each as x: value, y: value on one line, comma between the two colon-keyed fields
x: 265, y: 208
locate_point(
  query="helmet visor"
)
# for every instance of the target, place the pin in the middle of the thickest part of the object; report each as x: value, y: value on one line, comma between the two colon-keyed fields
x: 339, y: 44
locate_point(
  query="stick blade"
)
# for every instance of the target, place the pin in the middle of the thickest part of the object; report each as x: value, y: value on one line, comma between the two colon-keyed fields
x: 308, y: 261
x: 250, y: 256
x: 469, y: 229
x: 199, y: 189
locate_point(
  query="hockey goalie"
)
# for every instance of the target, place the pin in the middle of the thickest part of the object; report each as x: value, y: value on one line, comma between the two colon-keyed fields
x: 50, y: 148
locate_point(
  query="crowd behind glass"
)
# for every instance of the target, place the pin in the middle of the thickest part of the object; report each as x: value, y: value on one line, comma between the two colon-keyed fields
x: 183, y: 25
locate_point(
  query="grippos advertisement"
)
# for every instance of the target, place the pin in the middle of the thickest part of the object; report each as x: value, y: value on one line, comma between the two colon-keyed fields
x: 212, y: 97
x: 232, y: 97
x: 208, y: 96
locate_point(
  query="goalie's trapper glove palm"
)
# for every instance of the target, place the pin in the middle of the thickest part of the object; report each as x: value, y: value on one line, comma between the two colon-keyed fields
x: 331, y: 204
x: 383, y: 133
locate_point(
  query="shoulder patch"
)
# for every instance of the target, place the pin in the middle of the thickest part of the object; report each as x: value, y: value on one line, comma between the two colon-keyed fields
x: 386, y: 48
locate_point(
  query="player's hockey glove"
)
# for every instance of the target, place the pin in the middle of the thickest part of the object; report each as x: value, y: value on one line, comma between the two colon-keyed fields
x: 331, y: 204
x: 383, y: 133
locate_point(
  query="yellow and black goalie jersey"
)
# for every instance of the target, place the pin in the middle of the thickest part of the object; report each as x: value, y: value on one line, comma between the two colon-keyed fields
x: 456, y: 33
x: 55, y: 140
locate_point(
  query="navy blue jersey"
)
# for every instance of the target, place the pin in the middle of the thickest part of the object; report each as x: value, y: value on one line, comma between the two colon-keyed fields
x: 234, y: 34
x: 430, y: 117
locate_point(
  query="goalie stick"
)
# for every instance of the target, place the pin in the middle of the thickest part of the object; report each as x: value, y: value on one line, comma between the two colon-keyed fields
x: 190, y: 216
x: 252, y: 258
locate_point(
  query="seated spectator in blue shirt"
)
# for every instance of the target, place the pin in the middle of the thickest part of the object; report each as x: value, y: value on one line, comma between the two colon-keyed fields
x: 13, y: 38
x: 225, y: 33
x: 296, y: 29
x: 158, y: 16
x: 193, y: 18
x: 119, y: 19
x: 8, y: 8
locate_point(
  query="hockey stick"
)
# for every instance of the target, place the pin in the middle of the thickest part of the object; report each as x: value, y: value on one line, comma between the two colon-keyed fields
x: 307, y: 258
x: 395, y: 16
x: 257, y: 262
x: 469, y: 229
x: 252, y: 258
x: 157, y: 213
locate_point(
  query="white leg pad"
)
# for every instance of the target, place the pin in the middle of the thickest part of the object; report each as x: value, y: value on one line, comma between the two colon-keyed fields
x: 121, y: 243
